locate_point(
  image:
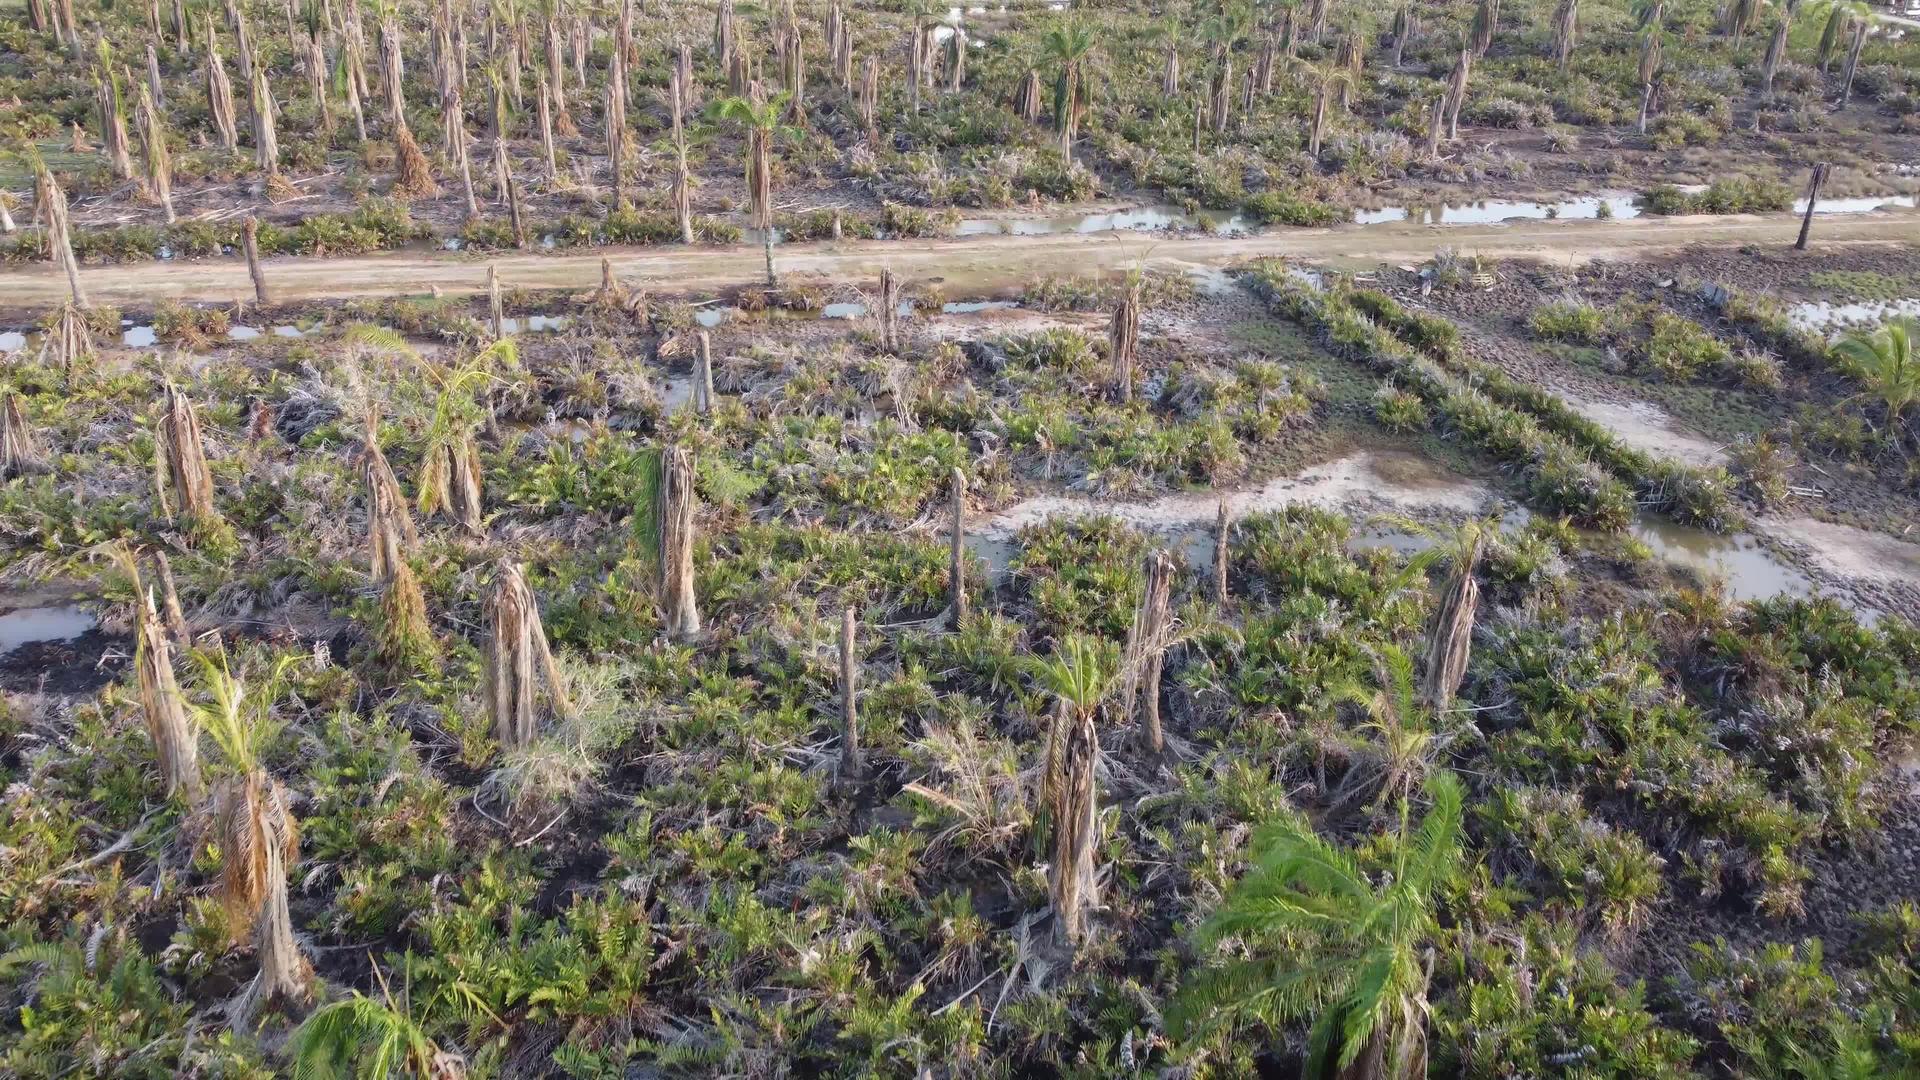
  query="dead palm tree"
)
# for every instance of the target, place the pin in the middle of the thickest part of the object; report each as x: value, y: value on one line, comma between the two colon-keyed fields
x: 675, y: 536
x: 1566, y: 19
x: 180, y: 461
x: 162, y: 706
x: 1078, y: 676
x: 159, y: 162
x: 518, y: 662
x: 257, y: 836
x: 49, y: 196
x: 450, y: 464
x: 19, y: 453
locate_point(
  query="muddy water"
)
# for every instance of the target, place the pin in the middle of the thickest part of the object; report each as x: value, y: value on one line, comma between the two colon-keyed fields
x: 1826, y: 315
x: 1138, y: 219
x: 1619, y: 205
x: 1745, y: 568
x: 25, y: 625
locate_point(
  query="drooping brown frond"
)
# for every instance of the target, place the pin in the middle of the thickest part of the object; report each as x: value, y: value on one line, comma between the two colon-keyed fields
x: 257, y: 817
x: 1071, y: 884
x: 676, y: 534
x: 68, y: 339
x: 518, y: 661
x: 1147, y: 643
x: 182, y: 459
x: 1450, y: 637
x: 19, y: 452
x: 391, y: 536
x: 415, y: 177
x: 165, y: 711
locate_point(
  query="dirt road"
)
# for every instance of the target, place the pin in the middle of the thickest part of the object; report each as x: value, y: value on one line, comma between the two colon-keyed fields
x: 967, y: 265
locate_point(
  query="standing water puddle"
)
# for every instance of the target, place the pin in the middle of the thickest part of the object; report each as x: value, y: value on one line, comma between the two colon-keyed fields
x: 1490, y: 211
x: 26, y: 625
x: 12, y: 341
x: 1139, y: 219
x: 1827, y: 315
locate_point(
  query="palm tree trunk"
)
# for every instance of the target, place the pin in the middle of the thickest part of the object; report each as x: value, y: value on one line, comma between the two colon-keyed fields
x: 616, y: 116
x: 284, y: 970
x: 1146, y: 650
x: 182, y: 458
x: 1072, y: 887
x: 19, y: 452
x: 676, y: 531
x: 1457, y: 92
x: 1222, y: 106
x: 1170, y: 72
x: 1450, y: 636
x: 518, y: 659
x: 889, y: 311
x: 1813, y: 200
x: 1776, y: 51
x: 153, y: 73
x: 250, y: 242
x: 544, y: 89
x: 852, y: 762
x: 220, y: 98
x: 113, y: 126
x: 1319, y: 122
x: 957, y: 552
x: 702, y: 390
x: 1853, y: 60
x: 159, y: 161
x: 60, y: 231
x: 175, y: 615
x: 1436, y: 127
x: 162, y: 704
x: 1646, y: 105
x: 870, y: 97
x: 1566, y: 20
x: 1123, y: 340
x: 1221, y: 534
x: 266, y: 143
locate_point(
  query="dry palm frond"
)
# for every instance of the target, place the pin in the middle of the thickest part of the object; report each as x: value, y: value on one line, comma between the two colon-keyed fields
x: 676, y: 533
x: 160, y: 699
x: 19, y: 453
x: 180, y: 459
x: 518, y: 661
x: 450, y: 464
x: 68, y: 338
x: 49, y: 196
x: 405, y: 639
x: 1147, y: 642
x: 414, y: 179
x: 391, y: 536
x: 1450, y: 637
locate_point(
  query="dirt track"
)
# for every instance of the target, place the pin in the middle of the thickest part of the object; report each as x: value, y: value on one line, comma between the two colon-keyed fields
x: 965, y: 265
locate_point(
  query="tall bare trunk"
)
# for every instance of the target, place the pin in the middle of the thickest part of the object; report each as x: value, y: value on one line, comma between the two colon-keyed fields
x: 1853, y: 60
x: 1147, y: 642
x: 113, y: 125
x: 1813, y: 201
x: 676, y: 532
x: 250, y: 242
x: 1457, y: 92
x: 1450, y: 636
x: 1776, y: 52
x: 702, y: 394
x: 153, y: 74
x: 1566, y: 21
x: 1222, y: 534
x: 1170, y: 72
x: 616, y: 118
x: 548, y: 155
x: 870, y: 98
x: 1072, y: 887
x: 453, y: 123
x: 53, y: 202
x: 957, y: 551
x: 852, y: 762
x: 266, y: 141
x: 1123, y: 340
